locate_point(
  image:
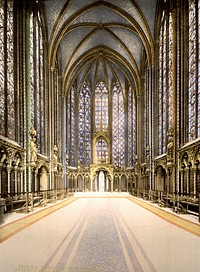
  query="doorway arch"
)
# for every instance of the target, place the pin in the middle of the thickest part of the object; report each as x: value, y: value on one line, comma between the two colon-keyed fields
x: 101, y: 182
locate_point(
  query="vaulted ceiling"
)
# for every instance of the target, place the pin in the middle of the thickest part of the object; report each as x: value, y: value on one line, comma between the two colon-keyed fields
x: 100, y: 40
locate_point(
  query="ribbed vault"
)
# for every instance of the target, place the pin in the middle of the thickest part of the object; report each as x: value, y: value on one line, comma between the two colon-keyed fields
x: 107, y: 40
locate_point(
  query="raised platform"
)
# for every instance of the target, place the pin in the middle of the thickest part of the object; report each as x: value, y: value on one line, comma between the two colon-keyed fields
x: 101, y: 194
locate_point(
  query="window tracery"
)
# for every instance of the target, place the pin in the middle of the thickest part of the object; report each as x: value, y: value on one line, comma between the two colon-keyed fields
x: 194, y: 71
x: 84, y: 126
x: 71, y: 127
x: 118, y: 124
x: 37, y: 91
x: 101, y: 150
x: 101, y: 106
x: 146, y: 110
x: 131, y: 127
x: 7, y: 94
x: 165, y: 89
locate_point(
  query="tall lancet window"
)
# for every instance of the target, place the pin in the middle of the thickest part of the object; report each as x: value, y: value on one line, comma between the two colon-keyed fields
x: 101, y: 106
x: 84, y: 125
x: 71, y: 127
x: 37, y: 88
x: 165, y: 90
x: 194, y: 71
x: 131, y: 127
x: 7, y: 94
x: 162, y: 95
x: 118, y: 126
x: 170, y: 75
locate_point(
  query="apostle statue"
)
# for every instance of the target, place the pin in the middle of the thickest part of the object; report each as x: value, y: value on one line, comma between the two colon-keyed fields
x: 33, y: 146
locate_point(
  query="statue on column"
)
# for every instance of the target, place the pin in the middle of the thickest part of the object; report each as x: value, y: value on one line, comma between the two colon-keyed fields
x: 147, y: 158
x: 33, y: 146
x: 55, y: 158
x: 136, y: 166
x: 67, y: 160
x: 170, y: 147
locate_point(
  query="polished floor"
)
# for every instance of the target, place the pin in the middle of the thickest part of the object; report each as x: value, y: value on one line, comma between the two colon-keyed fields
x: 98, y: 233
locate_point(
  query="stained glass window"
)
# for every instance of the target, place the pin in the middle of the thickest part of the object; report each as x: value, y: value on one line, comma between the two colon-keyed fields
x: 146, y: 110
x: 160, y: 91
x: 84, y: 123
x: 118, y: 123
x: 32, y: 69
x: 37, y: 91
x: 7, y: 97
x: 56, y: 104
x: 101, y: 106
x: 71, y: 127
x: 131, y: 127
x: 165, y: 89
x: 42, y: 91
x: 170, y: 69
x: 198, y: 106
x: 2, y: 77
x: 192, y: 94
x: 101, y: 150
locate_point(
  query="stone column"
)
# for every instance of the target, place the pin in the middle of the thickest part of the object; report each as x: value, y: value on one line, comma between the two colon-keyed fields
x: 65, y: 155
x: 8, y: 172
x: 98, y: 182
x: 75, y: 183
x: 51, y: 132
x: 111, y: 185
x: 22, y: 183
x: 91, y: 183
x: 16, y: 180
x: 182, y: 180
x: 120, y: 183
x: 35, y: 181
x: 187, y: 179
x: 194, y: 170
x: 105, y: 182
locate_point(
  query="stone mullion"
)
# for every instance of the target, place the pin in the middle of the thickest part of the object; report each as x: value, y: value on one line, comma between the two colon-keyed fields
x: 64, y: 146
x: 139, y: 107
x: 52, y: 126
x: 150, y: 121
